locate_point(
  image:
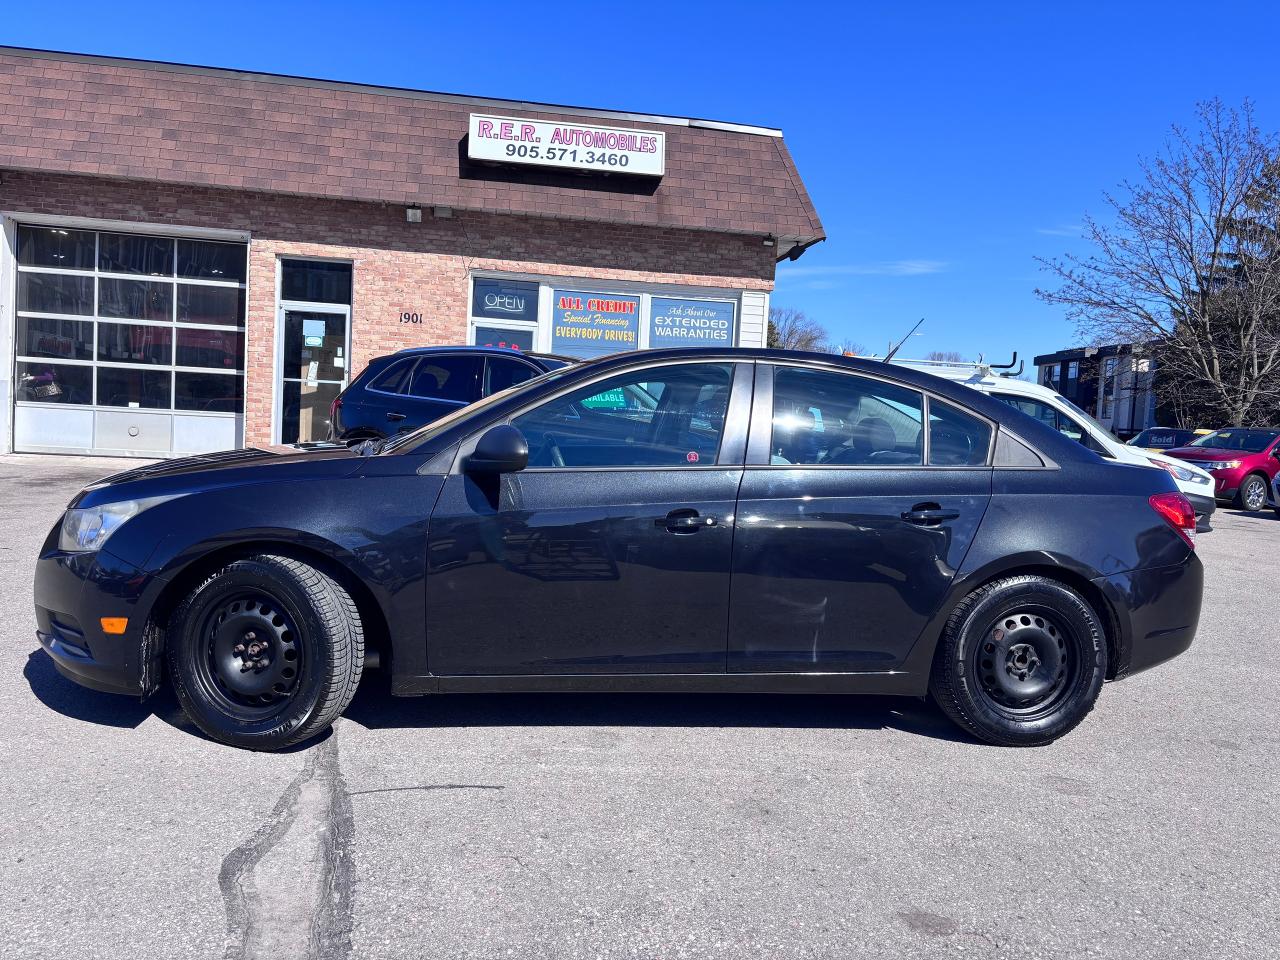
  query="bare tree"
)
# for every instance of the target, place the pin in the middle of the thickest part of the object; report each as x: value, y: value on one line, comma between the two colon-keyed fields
x: 849, y: 348
x: 945, y: 356
x: 1190, y: 268
x: 791, y: 329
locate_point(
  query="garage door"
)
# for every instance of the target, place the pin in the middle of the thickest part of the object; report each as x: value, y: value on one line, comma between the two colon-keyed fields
x: 127, y: 343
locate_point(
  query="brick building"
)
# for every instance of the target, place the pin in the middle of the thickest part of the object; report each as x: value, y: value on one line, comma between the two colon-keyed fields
x: 195, y: 258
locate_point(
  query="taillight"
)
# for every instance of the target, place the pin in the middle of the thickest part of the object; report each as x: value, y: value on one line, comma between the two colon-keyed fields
x: 334, y: 408
x: 1178, y: 513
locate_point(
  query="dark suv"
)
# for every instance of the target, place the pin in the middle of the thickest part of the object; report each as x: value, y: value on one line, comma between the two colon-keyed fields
x: 405, y: 390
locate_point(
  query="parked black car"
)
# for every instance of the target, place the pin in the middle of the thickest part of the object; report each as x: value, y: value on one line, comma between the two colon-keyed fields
x: 402, y: 391
x: 673, y: 520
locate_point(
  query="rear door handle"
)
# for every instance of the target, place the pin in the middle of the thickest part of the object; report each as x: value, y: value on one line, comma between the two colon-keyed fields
x: 394, y: 415
x: 929, y: 514
x: 685, y: 521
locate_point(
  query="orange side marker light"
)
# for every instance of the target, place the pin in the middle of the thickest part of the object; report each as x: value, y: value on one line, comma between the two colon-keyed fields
x: 115, y: 625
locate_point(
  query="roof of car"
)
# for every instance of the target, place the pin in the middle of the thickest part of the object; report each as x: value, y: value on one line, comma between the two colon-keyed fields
x: 496, y: 351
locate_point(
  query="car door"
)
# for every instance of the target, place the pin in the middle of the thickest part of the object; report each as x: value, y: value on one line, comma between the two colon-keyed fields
x: 610, y: 552
x: 377, y: 406
x: 441, y: 383
x: 852, y: 519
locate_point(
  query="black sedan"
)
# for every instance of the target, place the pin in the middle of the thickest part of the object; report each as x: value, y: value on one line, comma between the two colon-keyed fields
x: 689, y: 520
x: 402, y: 391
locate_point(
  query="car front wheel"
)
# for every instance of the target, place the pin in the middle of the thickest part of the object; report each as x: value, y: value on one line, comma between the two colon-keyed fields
x: 265, y: 652
x: 1252, y: 495
x: 1021, y: 661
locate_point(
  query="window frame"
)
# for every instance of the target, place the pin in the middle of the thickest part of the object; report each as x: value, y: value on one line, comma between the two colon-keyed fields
x: 733, y: 438
x: 516, y: 358
x: 760, y: 440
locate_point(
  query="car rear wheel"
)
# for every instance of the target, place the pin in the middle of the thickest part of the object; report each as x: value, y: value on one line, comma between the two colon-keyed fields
x: 265, y: 652
x: 1252, y: 495
x: 1021, y: 661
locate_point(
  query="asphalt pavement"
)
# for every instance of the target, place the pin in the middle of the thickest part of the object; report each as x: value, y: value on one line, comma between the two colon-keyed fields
x: 646, y: 826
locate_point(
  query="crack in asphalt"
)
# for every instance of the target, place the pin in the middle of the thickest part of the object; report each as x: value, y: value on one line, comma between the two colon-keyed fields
x: 431, y: 786
x: 288, y: 888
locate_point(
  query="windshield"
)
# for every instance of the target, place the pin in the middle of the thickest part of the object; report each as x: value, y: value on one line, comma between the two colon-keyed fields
x: 437, y: 427
x: 1239, y: 438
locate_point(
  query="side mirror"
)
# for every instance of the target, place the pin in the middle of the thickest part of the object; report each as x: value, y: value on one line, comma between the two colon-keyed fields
x: 502, y: 449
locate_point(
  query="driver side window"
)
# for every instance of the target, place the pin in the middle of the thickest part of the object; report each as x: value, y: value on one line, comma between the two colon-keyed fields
x: 666, y: 416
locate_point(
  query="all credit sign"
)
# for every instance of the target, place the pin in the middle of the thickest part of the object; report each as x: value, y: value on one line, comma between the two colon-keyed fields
x: 572, y: 145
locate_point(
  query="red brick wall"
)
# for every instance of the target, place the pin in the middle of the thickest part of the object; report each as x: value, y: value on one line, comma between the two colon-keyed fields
x: 397, y: 266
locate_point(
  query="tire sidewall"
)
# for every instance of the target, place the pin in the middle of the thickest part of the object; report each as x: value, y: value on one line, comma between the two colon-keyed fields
x: 1250, y: 480
x: 1074, y: 614
x: 184, y: 645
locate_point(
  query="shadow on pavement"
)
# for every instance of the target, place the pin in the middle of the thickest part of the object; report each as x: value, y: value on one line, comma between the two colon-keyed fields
x: 374, y: 708
x: 79, y: 703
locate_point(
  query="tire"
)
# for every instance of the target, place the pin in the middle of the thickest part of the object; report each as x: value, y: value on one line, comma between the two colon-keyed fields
x: 265, y: 652
x: 993, y: 670
x: 1252, y: 495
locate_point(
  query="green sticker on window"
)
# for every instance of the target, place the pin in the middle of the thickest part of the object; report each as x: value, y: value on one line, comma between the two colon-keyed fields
x: 609, y: 400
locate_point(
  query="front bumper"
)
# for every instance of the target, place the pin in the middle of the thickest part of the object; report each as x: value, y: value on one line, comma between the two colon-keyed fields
x: 73, y: 592
x: 1158, y: 609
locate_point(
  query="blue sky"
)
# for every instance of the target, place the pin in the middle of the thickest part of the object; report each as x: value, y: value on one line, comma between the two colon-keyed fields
x: 945, y: 145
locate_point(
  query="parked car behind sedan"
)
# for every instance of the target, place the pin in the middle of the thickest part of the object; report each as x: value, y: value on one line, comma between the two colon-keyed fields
x: 1243, y: 461
x: 1161, y: 439
x: 402, y: 391
x: 667, y: 520
x: 1059, y: 413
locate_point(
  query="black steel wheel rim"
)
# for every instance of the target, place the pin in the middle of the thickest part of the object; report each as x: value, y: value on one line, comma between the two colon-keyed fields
x: 1255, y: 494
x: 1027, y: 662
x: 250, y: 657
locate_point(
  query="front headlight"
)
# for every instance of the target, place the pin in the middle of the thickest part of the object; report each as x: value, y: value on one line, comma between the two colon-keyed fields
x: 1222, y: 464
x: 1175, y: 471
x: 86, y: 530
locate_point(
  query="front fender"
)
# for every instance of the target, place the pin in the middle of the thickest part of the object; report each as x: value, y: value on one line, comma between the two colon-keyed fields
x: 372, y: 528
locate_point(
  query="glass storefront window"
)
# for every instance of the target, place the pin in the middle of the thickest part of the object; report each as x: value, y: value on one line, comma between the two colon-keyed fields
x: 121, y: 387
x: 49, y: 337
x: 118, y: 337
x: 315, y: 281
x: 54, y: 383
x: 135, y: 343
x: 513, y: 338
x: 133, y: 253
x: 55, y: 247
x: 55, y: 293
x: 208, y: 392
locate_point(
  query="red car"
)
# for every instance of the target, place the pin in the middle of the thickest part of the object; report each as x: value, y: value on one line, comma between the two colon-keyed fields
x: 1243, y: 461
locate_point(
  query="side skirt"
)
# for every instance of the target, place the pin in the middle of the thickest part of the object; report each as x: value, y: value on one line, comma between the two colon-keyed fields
x: 889, y: 683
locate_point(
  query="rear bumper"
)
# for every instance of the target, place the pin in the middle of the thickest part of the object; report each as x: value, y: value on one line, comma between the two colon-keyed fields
x: 1158, y: 609
x: 73, y: 592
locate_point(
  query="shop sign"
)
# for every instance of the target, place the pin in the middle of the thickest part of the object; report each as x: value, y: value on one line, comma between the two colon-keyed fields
x: 504, y: 299
x: 574, y: 146
x: 691, y: 323
x: 593, y: 324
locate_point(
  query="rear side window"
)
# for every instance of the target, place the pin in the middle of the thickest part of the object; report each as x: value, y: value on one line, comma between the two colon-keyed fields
x: 956, y: 438
x: 394, y: 379
x: 501, y: 372
x: 821, y: 417
x: 446, y: 378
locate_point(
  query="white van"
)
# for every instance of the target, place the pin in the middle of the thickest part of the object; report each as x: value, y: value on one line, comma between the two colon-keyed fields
x: 1064, y: 416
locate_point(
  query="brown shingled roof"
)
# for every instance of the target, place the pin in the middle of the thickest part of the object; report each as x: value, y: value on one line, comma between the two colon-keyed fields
x: 222, y: 128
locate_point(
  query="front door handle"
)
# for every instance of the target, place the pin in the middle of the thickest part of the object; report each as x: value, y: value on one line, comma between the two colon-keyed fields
x: 929, y: 514
x: 685, y: 521
x: 394, y: 415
